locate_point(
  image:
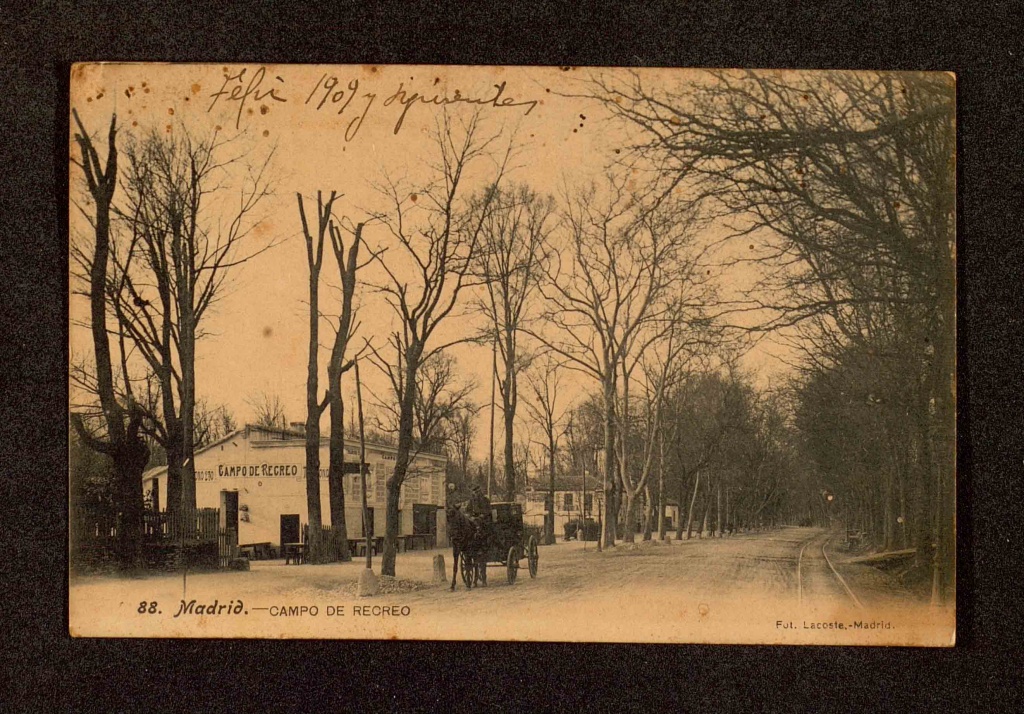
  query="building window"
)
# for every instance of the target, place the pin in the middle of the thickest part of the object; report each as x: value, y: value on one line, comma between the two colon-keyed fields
x: 567, y: 502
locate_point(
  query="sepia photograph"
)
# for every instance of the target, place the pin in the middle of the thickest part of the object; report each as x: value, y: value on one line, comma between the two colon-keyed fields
x: 563, y: 354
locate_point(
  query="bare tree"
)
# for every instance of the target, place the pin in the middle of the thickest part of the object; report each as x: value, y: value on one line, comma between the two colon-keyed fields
x: 461, y: 431
x: 511, y: 260
x: 620, y: 273
x: 212, y: 423
x: 340, y: 363
x: 441, y: 401
x: 544, y: 382
x: 849, y: 178
x: 267, y: 410
x: 314, y: 407
x: 175, y: 248
x: 123, y: 441
x: 436, y: 235
x: 660, y: 372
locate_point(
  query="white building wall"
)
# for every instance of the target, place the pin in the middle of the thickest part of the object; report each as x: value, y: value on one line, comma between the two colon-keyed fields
x: 269, y: 476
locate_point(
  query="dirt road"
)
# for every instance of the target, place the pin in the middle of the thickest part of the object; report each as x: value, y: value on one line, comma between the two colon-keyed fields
x: 772, y: 586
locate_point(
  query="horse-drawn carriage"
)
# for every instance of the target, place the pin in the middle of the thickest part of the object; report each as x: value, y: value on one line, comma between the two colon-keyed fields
x: 498, y: 541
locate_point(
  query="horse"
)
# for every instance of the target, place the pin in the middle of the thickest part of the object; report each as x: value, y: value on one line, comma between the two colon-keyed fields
x: 467, y: 539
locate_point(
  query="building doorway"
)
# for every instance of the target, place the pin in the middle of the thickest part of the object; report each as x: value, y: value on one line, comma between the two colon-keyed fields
x: 229, y: 513
x: 424, y: 519
x: 289, y: 528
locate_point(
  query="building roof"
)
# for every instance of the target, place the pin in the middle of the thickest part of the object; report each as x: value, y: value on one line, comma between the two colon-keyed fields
x: 563, y: 483
x: 292, y: 436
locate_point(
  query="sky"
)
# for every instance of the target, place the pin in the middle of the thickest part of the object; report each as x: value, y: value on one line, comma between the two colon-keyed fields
x: 343, y: 128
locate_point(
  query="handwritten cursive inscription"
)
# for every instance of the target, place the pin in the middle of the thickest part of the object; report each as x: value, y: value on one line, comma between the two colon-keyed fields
x: 348, y: 99
x: 409, y: 99
x: 241, y: 93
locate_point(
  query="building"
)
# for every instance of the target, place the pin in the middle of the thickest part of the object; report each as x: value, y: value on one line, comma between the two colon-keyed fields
x: 256, y: 476
x: 572, y: 501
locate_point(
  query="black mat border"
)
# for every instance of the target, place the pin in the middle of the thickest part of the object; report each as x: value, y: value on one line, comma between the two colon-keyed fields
x: 981, y: 43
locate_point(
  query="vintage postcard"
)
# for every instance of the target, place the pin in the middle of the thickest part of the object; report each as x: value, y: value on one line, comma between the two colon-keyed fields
x: 512, y: 353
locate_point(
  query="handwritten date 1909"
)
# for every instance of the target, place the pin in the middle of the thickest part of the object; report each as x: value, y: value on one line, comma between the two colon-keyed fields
x: 329, y: 87
x: 331, y: 92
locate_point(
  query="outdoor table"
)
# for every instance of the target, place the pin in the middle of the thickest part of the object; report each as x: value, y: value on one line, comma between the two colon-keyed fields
x: 358, y: 546
x: 294, y: 553
x: 258, y: 551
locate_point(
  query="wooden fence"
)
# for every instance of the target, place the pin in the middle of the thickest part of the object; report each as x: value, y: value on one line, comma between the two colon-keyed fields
x: 330, y: 542
x: 167, y: 538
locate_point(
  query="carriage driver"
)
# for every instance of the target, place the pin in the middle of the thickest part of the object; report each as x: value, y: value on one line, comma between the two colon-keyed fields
x: 479, y: 506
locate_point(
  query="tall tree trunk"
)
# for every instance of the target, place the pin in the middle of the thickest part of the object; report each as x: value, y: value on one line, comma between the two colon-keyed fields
x: 550, y: 521
x: 509, y: 403
x: 648, y: 512
x: 718, y: 516
x: 313, y: 506
x: 661, y: 485
x: 336, y: 470
x: 402, y: 456
x: 693, y: 501
x: 682, y: 500
x: 188, y: 410
x: 124, y: 444
x: 610, y: 501
x: 510, y: 463
x: 629, y: 516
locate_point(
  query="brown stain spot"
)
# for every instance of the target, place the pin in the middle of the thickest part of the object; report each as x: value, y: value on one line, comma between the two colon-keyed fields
x: 88, y: 99
x: 127, y: 94
x: 217, y: 128
x: 146, y: 90
x: 414, y: 198
x: 249, y: 111
x: 100, y: 95
x: 618, y: 151
x: 195, y: 88
x: 268, y: 331
x: 372, y: 69
x: 266, y: 133
x: 436, y: 80
x: 135, y: 123
x: 168, y: 128
x: 751, y: 246
x: 170, y: 111
x: 264, y: 109
x: 144, y: 84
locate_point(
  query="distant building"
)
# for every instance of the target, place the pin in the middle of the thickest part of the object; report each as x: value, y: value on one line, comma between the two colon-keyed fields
x: 257, y: 476
x: 573, y: 501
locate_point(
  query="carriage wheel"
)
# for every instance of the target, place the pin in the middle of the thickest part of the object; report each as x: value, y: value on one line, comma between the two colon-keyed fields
x: 512, y: 564
x: 532, y: 555
x: 468, y: 569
